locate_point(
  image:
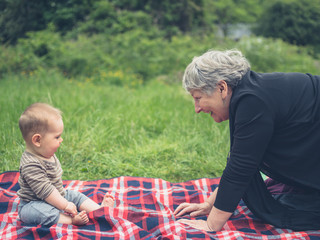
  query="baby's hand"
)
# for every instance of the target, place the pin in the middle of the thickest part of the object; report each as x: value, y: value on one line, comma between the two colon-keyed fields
x: 71, y: 209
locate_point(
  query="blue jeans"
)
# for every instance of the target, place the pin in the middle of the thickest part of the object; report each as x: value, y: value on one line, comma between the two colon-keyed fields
x: 41, y: 212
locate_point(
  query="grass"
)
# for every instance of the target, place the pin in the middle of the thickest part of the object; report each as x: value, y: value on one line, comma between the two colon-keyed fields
x: 149, y: 130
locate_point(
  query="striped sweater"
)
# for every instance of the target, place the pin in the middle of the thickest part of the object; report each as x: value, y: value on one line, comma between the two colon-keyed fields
x: 39, y: 177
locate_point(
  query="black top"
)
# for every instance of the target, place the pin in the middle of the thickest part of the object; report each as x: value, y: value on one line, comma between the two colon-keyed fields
x: 274, y: 128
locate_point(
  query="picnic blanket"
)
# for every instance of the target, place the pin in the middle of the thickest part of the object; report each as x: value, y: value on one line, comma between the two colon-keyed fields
x: 143, y: 210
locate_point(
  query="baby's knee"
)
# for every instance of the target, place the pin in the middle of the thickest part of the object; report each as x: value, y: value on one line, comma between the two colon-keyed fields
x: 39, y: 213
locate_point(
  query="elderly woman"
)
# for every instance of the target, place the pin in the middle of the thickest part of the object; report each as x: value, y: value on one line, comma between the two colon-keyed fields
x: 274, y: 121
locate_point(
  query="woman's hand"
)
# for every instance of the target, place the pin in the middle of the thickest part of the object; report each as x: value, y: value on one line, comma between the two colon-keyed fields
x: 198, y: 224
x: 194, y: 209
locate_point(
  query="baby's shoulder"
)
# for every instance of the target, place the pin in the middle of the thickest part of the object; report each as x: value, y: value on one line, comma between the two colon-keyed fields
x: 28, y: 159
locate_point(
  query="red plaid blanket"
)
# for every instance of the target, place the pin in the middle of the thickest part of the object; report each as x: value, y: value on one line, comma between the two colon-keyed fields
x: 144, y: 211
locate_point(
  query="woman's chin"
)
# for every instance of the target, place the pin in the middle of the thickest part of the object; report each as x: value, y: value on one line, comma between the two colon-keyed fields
x: 217, y: 119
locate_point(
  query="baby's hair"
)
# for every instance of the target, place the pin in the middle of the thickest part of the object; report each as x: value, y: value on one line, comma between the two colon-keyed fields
x: 35, y: 119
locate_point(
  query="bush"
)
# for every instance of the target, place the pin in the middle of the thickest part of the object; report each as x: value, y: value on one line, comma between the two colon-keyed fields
x: 270, y: 55
x: 140, y: 55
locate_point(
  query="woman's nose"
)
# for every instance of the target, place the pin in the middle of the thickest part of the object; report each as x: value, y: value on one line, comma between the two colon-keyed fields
x: 197, y: 108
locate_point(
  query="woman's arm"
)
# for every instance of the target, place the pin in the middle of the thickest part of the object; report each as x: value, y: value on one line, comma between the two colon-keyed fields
x: 217, y: 218
x: 212, y: 197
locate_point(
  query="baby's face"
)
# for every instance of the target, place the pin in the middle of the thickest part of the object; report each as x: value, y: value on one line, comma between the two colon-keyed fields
x: 51, y: 141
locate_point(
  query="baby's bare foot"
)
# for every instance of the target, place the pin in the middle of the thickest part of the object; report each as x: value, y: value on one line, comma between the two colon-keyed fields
x: 108, y: 200
x: 80, y: 219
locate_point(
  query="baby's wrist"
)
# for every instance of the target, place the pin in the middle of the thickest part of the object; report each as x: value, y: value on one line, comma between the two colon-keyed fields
x: 65, y: 208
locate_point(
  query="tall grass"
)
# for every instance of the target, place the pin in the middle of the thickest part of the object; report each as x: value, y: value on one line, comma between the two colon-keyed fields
x: 149, y: 130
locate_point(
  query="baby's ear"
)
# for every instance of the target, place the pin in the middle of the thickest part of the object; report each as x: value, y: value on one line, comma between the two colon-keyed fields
x: 36, y: 139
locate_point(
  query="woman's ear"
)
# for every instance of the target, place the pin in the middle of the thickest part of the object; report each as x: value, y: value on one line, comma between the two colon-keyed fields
x: 36, y: 139
x: 223, y: 88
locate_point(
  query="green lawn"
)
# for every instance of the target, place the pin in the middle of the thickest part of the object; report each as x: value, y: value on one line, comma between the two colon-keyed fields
x: 149, y: 130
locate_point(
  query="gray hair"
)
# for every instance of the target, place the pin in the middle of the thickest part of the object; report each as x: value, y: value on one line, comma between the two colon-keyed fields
x: 204, y: 72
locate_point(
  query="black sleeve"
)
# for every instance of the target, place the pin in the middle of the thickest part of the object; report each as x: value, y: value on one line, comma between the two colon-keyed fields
x: 253, y: 128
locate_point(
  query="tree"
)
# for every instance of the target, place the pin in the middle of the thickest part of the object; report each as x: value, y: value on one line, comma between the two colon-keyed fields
x: 18, y: 17
x: 224, y: 13
x: 294, y: 21
x: 21, y: 16
x: 167, y: 14
x: 68, y: 13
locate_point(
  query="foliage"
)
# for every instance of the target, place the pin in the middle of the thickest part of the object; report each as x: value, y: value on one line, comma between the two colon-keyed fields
x: 74, y: 17
x: 294, y: 21
x: 141, y: 53
x: 184, y: 15
x: 224, y: 13
x: 112, y: 16
x: 270, y: 55
x: 19, y: 17
x: 66, y: 14
x: 105, y: 18
x: 118, y: 78
x: 134, y: 52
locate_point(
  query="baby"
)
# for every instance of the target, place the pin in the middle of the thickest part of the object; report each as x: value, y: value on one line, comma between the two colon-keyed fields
x: 43, y: 199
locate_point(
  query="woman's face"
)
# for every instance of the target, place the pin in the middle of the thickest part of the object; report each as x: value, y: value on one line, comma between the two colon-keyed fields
x: 216, y: 104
